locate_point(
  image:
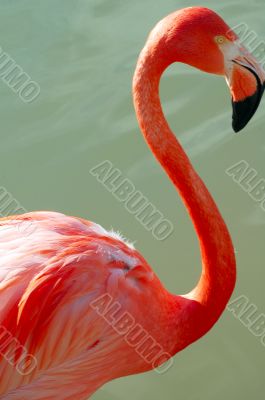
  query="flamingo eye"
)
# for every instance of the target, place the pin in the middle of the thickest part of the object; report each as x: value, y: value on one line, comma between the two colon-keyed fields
x: 220, y: 39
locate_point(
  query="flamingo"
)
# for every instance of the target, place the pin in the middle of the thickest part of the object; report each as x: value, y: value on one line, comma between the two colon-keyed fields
x: 79, y: 305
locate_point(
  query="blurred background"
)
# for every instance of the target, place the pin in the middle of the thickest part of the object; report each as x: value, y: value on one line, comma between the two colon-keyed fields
x: 82, y: 53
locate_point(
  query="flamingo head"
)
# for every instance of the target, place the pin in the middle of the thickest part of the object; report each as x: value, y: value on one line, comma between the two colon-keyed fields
x: 199, y: 37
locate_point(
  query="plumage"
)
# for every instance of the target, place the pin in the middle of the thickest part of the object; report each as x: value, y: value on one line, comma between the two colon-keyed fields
x: 49, y: 278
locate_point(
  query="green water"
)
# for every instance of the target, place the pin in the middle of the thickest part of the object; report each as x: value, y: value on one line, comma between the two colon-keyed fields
x: 82, y: 53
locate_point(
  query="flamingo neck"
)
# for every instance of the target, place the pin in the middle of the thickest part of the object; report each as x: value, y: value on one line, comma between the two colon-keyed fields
x: 205, y: 303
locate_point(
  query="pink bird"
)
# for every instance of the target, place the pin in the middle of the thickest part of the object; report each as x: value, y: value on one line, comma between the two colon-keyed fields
x: 79, y: 305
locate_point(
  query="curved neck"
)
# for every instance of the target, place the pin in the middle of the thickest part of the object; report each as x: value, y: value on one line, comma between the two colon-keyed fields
x: 218, y: 276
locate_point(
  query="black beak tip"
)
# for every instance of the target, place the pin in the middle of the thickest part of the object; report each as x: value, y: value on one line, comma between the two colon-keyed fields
x: 237, y: 125
x: 244, y: 110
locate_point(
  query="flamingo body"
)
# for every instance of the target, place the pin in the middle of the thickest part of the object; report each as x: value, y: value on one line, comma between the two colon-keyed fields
x: 53, y: 270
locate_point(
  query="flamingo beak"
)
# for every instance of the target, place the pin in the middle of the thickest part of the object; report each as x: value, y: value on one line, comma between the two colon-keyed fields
x: 246, y: 80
